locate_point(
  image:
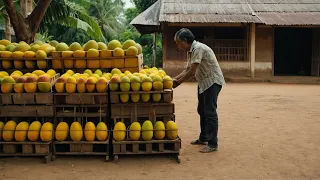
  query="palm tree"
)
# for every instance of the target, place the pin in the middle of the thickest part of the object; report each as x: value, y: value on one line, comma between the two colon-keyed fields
x: 109, y: 15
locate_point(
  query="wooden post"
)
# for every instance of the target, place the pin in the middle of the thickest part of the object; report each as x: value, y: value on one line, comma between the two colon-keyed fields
x: 154, y: 49
x: 164, y: 46
x: 252, y: 49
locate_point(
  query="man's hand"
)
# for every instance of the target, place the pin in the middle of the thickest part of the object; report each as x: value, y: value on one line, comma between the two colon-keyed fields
x: 175, y: 83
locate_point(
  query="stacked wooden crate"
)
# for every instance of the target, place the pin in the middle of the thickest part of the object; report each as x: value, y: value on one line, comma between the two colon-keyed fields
x: 82, y: 108
x: 27, y: 107
x: 130, y: 112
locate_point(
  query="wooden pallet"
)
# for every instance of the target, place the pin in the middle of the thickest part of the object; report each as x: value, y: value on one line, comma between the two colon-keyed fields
x: 80, y: 98
x: 27, y: 149
x: 166, y: 96
x: 99, y: 148
x: 128, y: 147
x: 26, y: 98
x: 27, y: 111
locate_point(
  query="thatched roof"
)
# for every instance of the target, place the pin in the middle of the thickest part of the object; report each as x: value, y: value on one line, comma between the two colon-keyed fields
x: 270, y: 12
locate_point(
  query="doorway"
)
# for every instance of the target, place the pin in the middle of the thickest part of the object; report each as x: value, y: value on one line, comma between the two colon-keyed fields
x: 292, y: 51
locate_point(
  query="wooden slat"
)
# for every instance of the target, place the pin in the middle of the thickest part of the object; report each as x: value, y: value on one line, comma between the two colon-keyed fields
x: 27, y: 149
x: 42, y: 149
x: 161, y: 147
x: 148, y: 148
x: 135, y: 148
x: 123, y: 148
x: 81, y: 142
x: 9, y: 148
x: 116, y: 148
x: 26, y: 142
x: 147, y: 142
x: 81, y: 153
x: 152, y: 152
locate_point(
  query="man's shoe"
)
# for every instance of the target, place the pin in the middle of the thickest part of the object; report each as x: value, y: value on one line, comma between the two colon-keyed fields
x: 208, y: 149
x: 198, y: 142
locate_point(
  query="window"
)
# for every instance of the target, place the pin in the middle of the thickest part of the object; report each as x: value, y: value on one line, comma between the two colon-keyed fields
x: 230, y: 43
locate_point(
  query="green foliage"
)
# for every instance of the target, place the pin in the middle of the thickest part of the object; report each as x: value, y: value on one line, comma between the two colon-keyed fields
x: 70, y: 14
x: 108, y: 15
x: 130, y: 34
x: 142, y: 5
x: 130, y: 14
x: 44, y: 37
x: 103, y: 15
x: 146, y: 40
x: 70, y: 35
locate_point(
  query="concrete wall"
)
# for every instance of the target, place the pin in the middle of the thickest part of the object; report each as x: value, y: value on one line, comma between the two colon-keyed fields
x: 173, y: 67
x: 264, y: 44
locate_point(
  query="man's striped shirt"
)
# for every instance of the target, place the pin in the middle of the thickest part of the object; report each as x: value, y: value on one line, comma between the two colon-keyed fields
x: 208, y: 71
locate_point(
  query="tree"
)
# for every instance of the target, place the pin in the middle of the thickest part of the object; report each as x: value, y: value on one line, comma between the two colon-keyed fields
x: 145, y: 40
x: 142, y: 5
x: 25, y: 28
x: 108, y: 15
x: 48, y: 12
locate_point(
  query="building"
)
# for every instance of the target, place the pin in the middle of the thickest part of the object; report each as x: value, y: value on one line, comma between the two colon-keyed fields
x: 249, y: 37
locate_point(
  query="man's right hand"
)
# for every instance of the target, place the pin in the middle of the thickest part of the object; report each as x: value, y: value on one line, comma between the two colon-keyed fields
x: 175, y: 83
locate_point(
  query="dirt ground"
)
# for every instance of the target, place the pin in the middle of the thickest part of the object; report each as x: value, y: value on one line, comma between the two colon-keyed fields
x: 266, y: 131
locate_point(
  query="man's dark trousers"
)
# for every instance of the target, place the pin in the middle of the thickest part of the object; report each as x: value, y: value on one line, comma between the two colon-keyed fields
x: 207, y: 109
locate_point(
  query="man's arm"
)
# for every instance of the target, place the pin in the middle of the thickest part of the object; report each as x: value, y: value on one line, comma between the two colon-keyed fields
x: 182, y: 73
x: 190, y: 72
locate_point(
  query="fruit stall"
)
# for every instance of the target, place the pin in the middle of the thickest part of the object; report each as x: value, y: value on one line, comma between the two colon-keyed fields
x: 91, y: 99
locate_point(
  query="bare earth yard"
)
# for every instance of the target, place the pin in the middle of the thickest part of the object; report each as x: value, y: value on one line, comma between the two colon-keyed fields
x: 266, y: 131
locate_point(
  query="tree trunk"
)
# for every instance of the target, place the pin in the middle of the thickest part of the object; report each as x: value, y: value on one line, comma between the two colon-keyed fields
x: 25, y: 28
x: 8, y: 30
x: 29, y: 6
x: 24, y: 9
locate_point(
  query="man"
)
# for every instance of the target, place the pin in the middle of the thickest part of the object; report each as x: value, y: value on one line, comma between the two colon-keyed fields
x: 202, y: 63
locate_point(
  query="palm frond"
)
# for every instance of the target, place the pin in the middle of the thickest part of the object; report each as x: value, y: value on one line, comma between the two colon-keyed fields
x: 79, y: 24
x: 69, y: 12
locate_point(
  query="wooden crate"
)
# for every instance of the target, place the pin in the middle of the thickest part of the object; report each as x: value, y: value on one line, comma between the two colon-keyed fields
x: 24, y: 69
x: 27, y: 98
x: 135, y: 110
x: 166, y: 96
x: 132, y: 62
x: 27, y: 111
x: 30, y: 98
x: 131, y: 69
x: 80, y: 98
x: 108, y: 61
x: 81, y: 110
x: 82, y: 148
x: 128, y: 147
x: 128, y: 120
x: 27, y: 149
